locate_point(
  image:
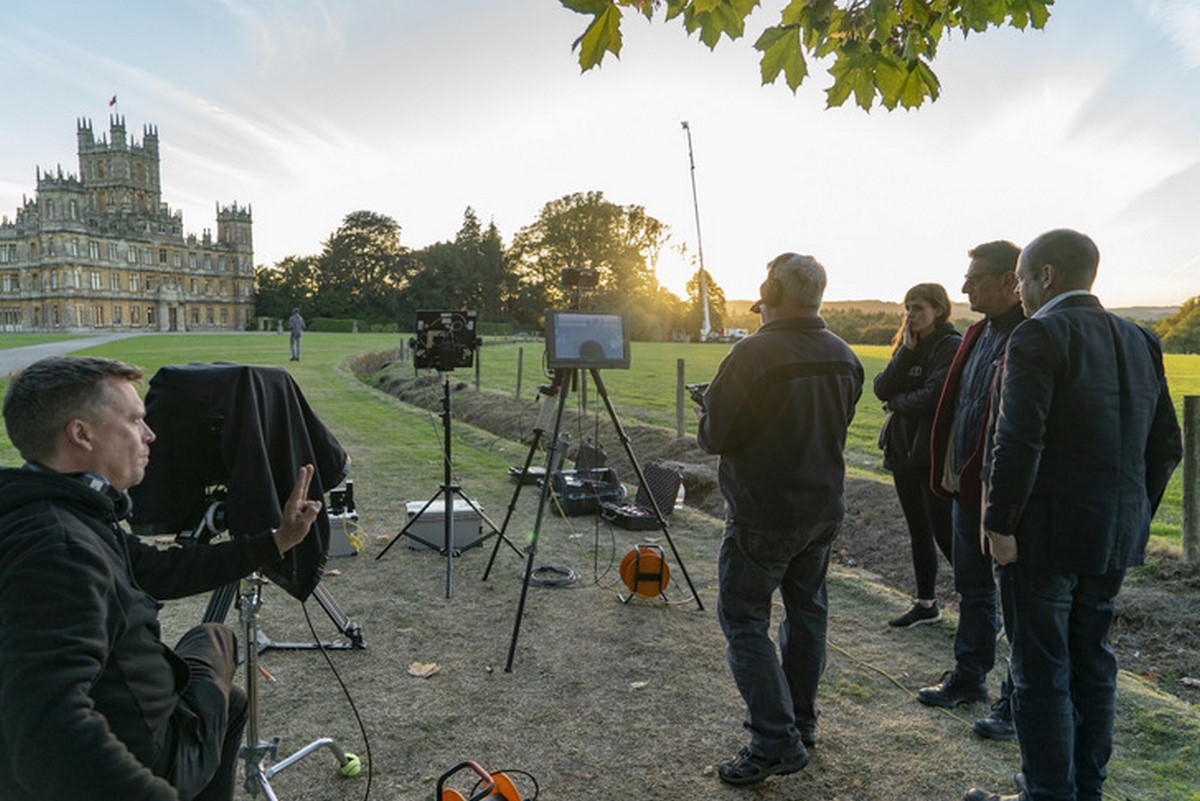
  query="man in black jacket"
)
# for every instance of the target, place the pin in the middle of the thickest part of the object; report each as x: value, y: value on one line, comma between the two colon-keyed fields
x: 1084, y: 441
x: 83, y: 672
x: 777, y: 413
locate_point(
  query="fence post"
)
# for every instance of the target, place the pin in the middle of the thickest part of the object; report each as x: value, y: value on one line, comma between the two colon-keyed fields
x: 478, y: 365
x: 1191, y: 478
x: 520, y: 370
x: 679, y: 427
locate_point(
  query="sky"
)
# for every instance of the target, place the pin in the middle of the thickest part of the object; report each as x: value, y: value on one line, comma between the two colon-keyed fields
x: 309, y: 110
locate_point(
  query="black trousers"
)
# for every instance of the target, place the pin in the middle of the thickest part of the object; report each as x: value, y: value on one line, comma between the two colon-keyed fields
x: 929, y: 528
x: 208, y: 721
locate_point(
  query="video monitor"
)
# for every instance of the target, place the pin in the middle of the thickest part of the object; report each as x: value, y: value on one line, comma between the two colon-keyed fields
x: 444, y: 340
x: 578, y: 339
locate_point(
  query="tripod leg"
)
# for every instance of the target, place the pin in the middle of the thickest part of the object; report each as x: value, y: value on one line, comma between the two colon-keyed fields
x: 551, y: 455
x: 219, y: 603
x: 344, y: 624
x: 602, y: 391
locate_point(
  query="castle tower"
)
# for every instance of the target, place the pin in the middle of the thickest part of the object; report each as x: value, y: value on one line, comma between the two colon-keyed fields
x: 121, y: 176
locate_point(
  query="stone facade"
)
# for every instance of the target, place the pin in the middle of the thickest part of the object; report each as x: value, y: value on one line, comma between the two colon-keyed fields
x: 101, y: 251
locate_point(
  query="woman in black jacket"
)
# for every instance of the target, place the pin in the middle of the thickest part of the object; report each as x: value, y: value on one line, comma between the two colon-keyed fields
x: 910, y: 386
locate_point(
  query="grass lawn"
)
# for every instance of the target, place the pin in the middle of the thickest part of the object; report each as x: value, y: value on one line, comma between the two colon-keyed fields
x: 607, y: 700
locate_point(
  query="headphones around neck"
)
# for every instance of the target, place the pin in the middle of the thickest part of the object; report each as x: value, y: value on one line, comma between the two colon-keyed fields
x: 122, y: 503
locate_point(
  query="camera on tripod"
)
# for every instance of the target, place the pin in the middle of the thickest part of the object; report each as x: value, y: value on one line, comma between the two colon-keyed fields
x: 580, y: 278
x: 445, y: 340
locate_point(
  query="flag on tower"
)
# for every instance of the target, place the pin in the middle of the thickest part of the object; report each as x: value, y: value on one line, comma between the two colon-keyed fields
x: 112, y: 102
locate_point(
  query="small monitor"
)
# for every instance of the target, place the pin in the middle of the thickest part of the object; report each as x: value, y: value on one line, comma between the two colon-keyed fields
x: 577, y: 339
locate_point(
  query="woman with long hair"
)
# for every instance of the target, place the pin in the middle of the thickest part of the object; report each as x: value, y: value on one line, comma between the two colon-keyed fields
x: 909, y: 387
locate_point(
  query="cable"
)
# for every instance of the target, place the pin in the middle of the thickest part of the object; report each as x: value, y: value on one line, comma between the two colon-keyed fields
x: 552, y: 576
x: 349, y: 699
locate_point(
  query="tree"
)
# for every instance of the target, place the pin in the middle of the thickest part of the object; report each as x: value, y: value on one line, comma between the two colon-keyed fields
x: 290, y: 283
x: 621, y: 243
x: 881, y: 49
x: 694, y: 315
x: 363, y: 269
x: 1180, y: 332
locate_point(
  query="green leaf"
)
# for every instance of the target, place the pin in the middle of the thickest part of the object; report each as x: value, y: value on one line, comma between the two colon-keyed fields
x: 602, y: 36
x: 781, y: 51
x: 592, y: 7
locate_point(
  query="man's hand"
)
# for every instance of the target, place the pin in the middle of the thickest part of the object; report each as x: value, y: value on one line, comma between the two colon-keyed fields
x: 1004, y: 548
x: 298, y: 513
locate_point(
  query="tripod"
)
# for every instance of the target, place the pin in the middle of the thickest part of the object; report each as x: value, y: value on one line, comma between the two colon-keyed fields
x: 257, y: 752
x: 561, y: 386
x: 448, y: 491
x: 213, y: 523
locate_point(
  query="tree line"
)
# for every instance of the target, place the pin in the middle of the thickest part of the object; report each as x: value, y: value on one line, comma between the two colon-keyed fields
x: 365, y: 272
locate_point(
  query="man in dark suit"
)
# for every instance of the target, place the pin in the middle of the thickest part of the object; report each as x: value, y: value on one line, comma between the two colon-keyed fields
x: 1084, y: 441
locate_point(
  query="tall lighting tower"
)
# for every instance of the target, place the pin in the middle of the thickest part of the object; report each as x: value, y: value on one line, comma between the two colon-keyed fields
x: 706, y: 326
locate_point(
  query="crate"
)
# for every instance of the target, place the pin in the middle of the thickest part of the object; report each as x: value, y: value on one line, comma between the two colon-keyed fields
x: 431, y: 526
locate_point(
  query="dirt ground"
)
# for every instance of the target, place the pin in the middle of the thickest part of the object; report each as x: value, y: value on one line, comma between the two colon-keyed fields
x: 1153, y: 635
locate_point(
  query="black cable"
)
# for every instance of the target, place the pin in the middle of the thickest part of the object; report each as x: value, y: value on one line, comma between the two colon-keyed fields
x: 349, y: 699
x: 552, y: 576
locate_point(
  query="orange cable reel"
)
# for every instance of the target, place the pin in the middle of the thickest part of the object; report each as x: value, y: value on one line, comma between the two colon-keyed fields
x: 644, y: 570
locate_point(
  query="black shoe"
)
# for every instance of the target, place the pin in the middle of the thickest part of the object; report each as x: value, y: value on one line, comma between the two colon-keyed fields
x: 917, y: 615
x: 998, y: 725
x: 746, y: 768
x: 952, y: 691
x: 975, y: 794
x: 808, y: 736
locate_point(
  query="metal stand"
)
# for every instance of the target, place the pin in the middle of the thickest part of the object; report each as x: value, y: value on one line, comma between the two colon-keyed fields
x: 222, y: 598
x: 448, y: 491
x: 552, y: 458
x: 258, y: 753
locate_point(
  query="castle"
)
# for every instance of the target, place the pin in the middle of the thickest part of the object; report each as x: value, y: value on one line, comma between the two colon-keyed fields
x: 101, y: 251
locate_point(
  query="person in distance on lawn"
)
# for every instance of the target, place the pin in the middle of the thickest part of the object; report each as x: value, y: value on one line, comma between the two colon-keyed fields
x: 909, y: 386
x: 1084, y: 440
x: 777, y: 412
x: 959, y: 442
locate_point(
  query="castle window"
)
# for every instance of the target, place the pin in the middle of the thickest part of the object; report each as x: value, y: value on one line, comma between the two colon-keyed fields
x: 116, y: 315
x: 53, y: 247
x: 135, y: 315
x: 74, y: 247
x: 57, y: 316
x: 208, y: 263
x: 177, y: 259
x: 115, y: 282
x: 78, y: 276
x: 221, y: 264
x: 192, y: 261
x: 149, y: 315
x: 114, y: 251
x: 147, y: 256
x: 97, y: 315
x: 208, y: 287
x: 221, y: 289
x: 7, y: 283
x: 54, y: 279
x: 93, y: 250
x: 195, y: 315
x: 131, y: 254
x: 208, y: 316
x: 162, y: 255
x: 95, y: 276
x: 224, y: 317
x: 133, y: 282
x: 74, y: 210
x: 194, y: 284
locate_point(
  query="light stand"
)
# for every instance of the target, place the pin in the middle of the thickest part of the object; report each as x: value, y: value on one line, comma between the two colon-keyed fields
x: 448, y: 491
x: 258, y: 753
x: 552, y: 458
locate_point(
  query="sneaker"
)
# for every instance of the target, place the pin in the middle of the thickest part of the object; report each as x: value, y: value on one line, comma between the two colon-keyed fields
x: 952, y: 691
x: 998, y: 725
x: 917, y: 615
x: 748, y: 768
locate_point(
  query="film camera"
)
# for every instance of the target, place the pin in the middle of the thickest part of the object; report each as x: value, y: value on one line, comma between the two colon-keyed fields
x: 696, y: 393
x: 444, y: 340
x: 580, y: 278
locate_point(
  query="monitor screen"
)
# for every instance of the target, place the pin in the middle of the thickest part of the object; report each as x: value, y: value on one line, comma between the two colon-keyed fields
x: 576, y: 339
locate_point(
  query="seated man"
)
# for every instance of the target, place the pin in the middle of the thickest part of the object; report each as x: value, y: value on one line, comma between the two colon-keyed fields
x: 84, y: 674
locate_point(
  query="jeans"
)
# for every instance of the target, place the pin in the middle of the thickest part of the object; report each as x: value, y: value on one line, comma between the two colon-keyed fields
x: 1065, y: 672
x: 295, y: 343
x: 975, y: 637
x: 780, y: 694
x: 929, y: 530
x: 208, y: 721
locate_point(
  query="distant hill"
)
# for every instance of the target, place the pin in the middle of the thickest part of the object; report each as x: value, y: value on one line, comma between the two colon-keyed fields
x: 962, y: 311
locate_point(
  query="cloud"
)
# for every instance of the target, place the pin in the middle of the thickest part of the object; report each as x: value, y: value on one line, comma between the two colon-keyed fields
x: 1179, y: 20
